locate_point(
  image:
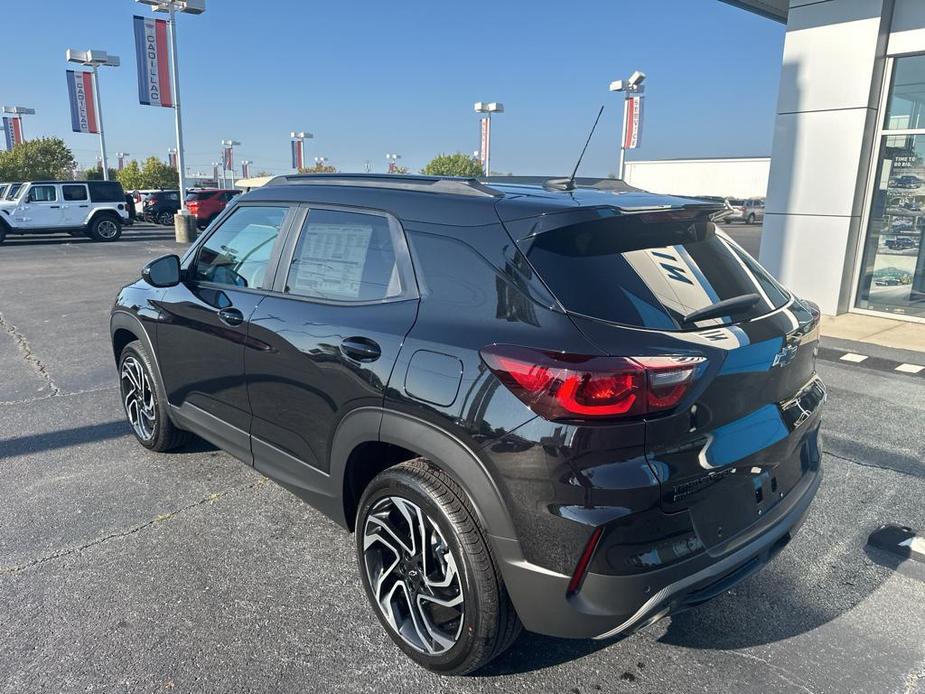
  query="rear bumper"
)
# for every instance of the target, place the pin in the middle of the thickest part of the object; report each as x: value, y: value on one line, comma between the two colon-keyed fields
x: 610, y: 605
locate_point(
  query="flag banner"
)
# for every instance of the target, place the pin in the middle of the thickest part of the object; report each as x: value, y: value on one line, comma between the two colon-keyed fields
x: 12, y: 129
x: 215, y: 174
x: 153, y: 56
x: 245, y: 169
x: 8, y: 132
x: 633, y: 115
x: 297, y: 154
x: 83, y: 103
x: 483, y: 148
x: 172, y: 159
x: 228, y: 159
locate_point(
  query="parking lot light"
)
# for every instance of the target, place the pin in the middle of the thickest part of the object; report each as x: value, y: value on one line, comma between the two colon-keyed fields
x: 393, y: 161
x: 487, y: 108
x: 20, y: 111
x: 95, y: 59
x: 630, y: 86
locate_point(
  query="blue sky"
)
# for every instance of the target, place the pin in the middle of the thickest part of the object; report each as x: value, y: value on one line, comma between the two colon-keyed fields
x: 369, y: 78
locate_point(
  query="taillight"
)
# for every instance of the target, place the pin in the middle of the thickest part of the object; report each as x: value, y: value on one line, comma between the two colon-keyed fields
x: 556, y: 385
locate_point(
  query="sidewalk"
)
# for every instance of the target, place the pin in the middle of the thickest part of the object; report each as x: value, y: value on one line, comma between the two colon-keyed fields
x: 895, y: 344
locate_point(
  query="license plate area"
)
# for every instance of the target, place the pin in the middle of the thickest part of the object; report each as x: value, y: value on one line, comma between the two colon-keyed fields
x: 798, y: 409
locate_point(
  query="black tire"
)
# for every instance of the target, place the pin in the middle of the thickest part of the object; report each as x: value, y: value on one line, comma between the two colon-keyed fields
x: 165, y: 218
x: 77, y: 233
x: 164, y: 434
x: 750, y: 219
x: 2, y: 233
x: 105, y: 227
x: 488, y: 624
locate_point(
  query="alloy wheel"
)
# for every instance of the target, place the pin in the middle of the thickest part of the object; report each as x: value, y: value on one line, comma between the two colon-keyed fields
x: 138, y: 398
x: 107, y: 229
x: 413, y: 575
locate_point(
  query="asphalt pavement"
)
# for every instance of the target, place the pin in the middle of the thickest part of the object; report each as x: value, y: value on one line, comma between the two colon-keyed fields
x: 127, y: 571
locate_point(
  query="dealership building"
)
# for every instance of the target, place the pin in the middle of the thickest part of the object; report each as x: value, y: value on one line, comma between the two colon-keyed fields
x: 846, y: 188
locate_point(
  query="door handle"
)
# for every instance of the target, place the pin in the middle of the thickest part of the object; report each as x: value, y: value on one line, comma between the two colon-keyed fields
x: 360, y: 348
x: 231, y: 316
x: 55, y: 207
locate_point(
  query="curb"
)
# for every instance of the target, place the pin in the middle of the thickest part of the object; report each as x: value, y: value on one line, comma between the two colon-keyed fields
x: 843, y: 356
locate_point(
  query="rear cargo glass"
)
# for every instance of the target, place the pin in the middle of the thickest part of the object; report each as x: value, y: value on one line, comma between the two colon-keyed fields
x: 639, y: 271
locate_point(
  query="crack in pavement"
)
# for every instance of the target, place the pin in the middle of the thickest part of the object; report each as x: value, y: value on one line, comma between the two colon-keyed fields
x: 26, y: 349
x: 886, y: 468
x: 27, y: 401
x: 162, y: 518
x: 785, y: 675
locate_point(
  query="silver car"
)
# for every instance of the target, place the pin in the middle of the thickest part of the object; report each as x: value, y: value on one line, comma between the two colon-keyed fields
x: 749, y: 211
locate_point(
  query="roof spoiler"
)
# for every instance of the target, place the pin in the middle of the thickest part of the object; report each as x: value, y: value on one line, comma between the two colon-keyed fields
x: 420, y: 184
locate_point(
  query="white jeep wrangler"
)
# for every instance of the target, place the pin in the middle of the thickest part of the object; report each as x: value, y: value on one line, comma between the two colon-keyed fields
x: 93, y: 208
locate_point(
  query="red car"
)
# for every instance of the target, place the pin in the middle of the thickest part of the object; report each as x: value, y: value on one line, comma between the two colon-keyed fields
x: 207, y: 203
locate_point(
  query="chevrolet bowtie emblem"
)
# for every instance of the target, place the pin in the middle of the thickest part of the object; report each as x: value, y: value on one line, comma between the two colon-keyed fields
x: 785, y: 356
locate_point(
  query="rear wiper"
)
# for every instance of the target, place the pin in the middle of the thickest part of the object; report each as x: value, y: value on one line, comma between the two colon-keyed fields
x: 726, y: 307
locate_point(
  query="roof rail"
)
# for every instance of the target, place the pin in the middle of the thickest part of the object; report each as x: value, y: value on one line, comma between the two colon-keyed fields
x: 421, y: 184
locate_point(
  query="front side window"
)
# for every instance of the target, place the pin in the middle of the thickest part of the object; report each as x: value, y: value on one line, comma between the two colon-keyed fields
x: 42, y: 194
x: 74, y: 192
x: 345, y: 256
x: 239, y: 251
x: 892, y: 277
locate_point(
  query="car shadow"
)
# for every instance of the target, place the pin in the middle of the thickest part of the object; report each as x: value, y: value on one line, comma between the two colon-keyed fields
x: 128, y: 236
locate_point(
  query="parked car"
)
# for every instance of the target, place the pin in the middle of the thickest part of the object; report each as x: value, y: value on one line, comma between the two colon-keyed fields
x: 94, y: 208
x: 206, y: 203
x: 161, y: 206
x: 748, y: 211
x: 12, y: 190
x: 414, y: 357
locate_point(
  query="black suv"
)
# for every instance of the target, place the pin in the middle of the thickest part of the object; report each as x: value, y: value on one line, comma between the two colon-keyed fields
x: 575, y: 410
x: 161, y: 206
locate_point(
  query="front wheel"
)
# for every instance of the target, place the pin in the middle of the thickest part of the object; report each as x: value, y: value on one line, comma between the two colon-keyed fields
x: 429, y: 572
x: 165, y: 218
x: 105, y: 228
x: 145, y: 403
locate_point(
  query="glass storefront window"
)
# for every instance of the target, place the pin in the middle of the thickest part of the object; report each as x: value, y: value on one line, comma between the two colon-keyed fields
x: 893, y: 266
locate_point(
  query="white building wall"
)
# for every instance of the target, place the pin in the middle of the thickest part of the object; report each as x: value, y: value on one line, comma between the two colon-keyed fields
x: 830, y: 88
x: 738, y: 178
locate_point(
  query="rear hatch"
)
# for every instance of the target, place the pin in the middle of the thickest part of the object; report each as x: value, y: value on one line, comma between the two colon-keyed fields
x: 744, y: 436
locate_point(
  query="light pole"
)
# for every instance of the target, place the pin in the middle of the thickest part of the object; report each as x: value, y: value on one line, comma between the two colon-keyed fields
x: 18, y: 112
x: 228, y: 157
x: 489, y: 108
x: 631, y: 86
x: 171, y: 7
x: 393, y: 161
x: 94, y: 60
x: 298, y: 148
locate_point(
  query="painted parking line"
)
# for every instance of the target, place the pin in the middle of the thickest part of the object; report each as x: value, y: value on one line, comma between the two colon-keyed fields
x: 853, y: 358
x: 909, y: 368
x: 876, y: 363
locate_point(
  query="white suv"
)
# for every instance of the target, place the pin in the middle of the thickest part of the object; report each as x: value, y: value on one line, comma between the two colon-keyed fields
x: 94, y: 208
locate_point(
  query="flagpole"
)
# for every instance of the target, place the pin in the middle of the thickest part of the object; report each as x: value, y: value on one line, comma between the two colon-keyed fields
x: 175, y: 79
x: 99, y: 121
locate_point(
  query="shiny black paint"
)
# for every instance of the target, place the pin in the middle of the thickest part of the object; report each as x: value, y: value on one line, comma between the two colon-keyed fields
x: 291, y: 377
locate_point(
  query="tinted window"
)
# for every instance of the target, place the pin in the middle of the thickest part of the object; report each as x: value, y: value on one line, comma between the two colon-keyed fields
x: 14, y: 191
x: 42, y: 194
x: 638, y: 271
x: 106, y: 191
x: 344, y: 256
x: 74, y: 192
x: 238, y: 252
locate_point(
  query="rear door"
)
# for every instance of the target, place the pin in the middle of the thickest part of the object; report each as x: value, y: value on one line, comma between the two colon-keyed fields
x: 744, y: 437
x: 75, y: 204
x: 324, y: 342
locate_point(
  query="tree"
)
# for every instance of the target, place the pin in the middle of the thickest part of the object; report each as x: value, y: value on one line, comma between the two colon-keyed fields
x: 157, y: 174
x: 319, y: 167
x: 396, y: 169
x: 131, y: 176
x: 94, y: 173
x: 34, y: 160
x: 457, y: 164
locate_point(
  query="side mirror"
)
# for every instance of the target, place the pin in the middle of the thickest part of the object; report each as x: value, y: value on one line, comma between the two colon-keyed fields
x: 163, y: 272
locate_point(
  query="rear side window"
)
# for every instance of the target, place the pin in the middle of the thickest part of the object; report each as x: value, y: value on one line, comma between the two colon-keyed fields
x: 239, y: 251
x: 638, y: 271
x: 73, y: 192
x: 106, y: 191
x: 345, y: 256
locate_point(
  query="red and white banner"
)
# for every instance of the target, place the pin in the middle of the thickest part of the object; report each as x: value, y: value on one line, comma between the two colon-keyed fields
x: 228, y: 158
x: 298, y: 149
x: 172, y: 158
x: 633, y: 115
x: 83, y: 102
x: 245, y: 169
x: 12, y: 126
x: 483, y: 146
x: 153, y: 56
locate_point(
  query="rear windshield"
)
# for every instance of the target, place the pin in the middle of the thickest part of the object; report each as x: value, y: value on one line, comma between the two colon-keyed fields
x: 636, y: 270
x: 200, y: 195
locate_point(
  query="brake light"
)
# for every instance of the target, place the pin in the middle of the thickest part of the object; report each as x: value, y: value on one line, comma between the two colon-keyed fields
x: 569, y: 386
